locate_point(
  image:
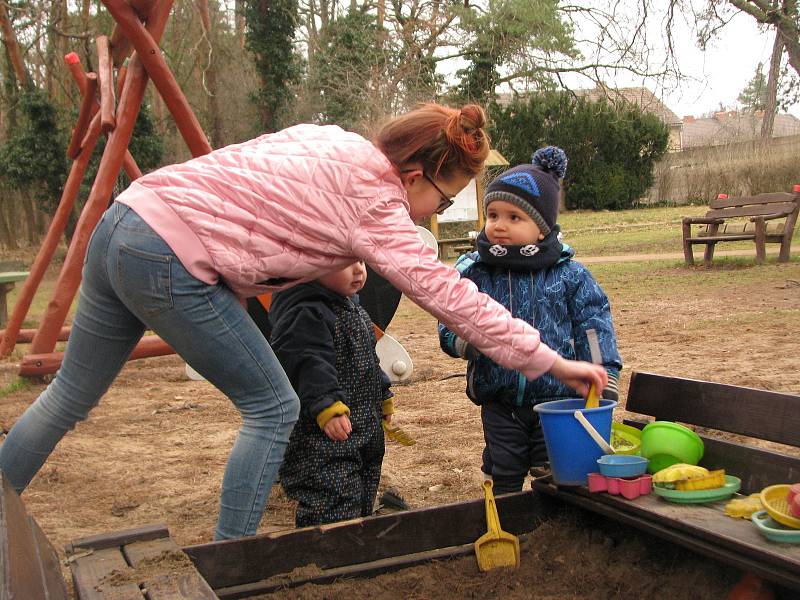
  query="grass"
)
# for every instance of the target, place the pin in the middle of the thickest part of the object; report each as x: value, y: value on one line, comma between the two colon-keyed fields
x: 15, y: 386
x: 639, y: 231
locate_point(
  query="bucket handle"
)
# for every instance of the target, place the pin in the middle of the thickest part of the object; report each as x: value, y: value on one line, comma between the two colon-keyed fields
x: 593, y: 432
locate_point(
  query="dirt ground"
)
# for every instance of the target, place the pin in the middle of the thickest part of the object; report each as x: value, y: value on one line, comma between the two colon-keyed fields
x: 155, y: 449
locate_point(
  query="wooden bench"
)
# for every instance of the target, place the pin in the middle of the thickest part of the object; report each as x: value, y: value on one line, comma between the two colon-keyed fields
x: 744, y: 218
x: 704, y: 528
x: 7, y: 281
x: 455, y: 247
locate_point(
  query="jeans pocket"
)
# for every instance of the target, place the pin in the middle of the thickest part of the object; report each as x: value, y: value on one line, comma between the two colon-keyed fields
x: 145, y: 280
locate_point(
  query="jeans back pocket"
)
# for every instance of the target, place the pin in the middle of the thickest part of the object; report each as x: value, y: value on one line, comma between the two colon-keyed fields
x: 145, y: 280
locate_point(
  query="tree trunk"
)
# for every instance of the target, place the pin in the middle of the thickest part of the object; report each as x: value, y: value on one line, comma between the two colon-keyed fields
x: 209, y: 77
x: 12, y: 47
x: 772, y: 88
x: 30, y: 218
x: 239, y: 22
x: 6, y: 232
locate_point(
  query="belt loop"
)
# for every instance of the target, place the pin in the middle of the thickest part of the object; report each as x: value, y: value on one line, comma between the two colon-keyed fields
x: 119, y: 212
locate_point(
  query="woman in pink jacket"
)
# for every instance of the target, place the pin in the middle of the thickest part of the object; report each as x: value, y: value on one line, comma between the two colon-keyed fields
x: 182, y: 245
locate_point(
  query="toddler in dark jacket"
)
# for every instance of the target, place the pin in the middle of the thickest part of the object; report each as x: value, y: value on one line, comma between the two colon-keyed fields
x: 522, y: 263
x: 326, y: 344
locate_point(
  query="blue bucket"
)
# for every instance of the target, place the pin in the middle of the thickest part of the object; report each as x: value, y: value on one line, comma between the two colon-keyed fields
x: 572, y: 452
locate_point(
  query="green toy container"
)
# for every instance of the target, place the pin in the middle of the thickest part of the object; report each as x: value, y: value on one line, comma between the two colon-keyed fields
x: 665, y: 443
x: 626, y: 439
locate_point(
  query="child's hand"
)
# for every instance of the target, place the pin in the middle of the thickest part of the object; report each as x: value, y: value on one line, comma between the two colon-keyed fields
x: 388, y: 419
x: 338, y: 428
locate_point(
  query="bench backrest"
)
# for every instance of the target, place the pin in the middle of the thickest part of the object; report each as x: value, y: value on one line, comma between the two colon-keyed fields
x: 752, y: 206
x: 755, y: 413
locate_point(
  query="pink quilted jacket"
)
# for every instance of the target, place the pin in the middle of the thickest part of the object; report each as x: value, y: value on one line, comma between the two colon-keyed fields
x: 290, y: 206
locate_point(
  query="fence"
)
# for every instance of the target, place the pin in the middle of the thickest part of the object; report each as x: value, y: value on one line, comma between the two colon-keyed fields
x: 743, y: 168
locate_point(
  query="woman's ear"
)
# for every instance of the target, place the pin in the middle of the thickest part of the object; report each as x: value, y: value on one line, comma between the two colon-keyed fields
x: 410, y: 176
x: 541, y: 236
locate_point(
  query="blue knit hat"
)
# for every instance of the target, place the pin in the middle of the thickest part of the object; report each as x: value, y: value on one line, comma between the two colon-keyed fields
x: 535, y: 187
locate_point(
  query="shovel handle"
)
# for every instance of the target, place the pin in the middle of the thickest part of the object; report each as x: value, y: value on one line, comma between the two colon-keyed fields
x: 593, y: 432
x: 492, y: 519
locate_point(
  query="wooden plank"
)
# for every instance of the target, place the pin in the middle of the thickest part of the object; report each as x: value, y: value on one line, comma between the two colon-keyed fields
x: 22, y: 573
x: 755, y: 413
x: 376, y: 567
x: 701, y: 528
x: 756, y: 467
x: 13, y: 277
x: 769, y: 198
x: 236, y: 562
x: 54, y: 585
x: 117, y: 538
x: 101, y: 575
x: 729, y: 237
x: 165, y: 572
x: 752, y: 210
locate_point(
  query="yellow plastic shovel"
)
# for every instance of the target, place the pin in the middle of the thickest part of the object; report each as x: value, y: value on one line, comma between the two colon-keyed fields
x: 592, y: 401
x: 496, y: 548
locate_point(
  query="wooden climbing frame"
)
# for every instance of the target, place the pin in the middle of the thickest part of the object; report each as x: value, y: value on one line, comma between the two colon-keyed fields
x: 139, y: 27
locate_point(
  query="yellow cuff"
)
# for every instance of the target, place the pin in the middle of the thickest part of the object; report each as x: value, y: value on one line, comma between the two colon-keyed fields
x: 334, y: 410
x: 388, y: 407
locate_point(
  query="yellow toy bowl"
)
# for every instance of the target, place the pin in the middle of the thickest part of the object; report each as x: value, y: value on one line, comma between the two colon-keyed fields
x: 774, y: 499
x: 625, y: 439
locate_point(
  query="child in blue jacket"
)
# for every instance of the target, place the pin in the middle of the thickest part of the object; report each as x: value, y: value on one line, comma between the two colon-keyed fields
x: 522, y: 263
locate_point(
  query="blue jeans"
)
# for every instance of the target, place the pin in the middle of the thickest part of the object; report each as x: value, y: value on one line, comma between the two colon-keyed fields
x: 132, y: 281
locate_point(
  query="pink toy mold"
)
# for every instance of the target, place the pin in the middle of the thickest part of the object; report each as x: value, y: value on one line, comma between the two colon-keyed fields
x: 617, y: 486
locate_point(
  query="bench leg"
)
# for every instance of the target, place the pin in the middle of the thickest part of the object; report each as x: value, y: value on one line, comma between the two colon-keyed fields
x: 708, y: 255
x: 784, y: 254
x: 688, y: 255
x: 5, y: 288
x: 761, y: 241
x: 687, y: 247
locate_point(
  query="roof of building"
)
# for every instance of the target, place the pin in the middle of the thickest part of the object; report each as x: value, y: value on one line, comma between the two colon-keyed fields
x: 639, y: 96
x: 732, y: 126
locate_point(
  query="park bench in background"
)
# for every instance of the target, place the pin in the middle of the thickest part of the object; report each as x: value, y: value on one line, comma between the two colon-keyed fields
x: 704, y: 528
x: 765, y: 218
x: 7, y: 281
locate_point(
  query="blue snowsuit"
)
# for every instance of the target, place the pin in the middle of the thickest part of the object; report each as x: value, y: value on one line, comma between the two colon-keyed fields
x: 571, y: 312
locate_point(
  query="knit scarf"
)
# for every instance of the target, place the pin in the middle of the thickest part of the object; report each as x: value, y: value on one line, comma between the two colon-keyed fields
x: 530, y: 257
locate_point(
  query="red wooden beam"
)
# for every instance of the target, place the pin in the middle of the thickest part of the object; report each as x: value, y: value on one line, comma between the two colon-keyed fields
x: 106, y: 82
x: 84, y: 117
x: 36, y: 365
x: 25, y: 336
x: 150, y: 54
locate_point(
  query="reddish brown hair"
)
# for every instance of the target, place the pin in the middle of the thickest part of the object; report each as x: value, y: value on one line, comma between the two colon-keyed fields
x: 446, y: 141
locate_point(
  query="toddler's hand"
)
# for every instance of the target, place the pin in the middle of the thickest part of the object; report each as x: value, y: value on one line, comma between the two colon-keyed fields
x: 338, y: 428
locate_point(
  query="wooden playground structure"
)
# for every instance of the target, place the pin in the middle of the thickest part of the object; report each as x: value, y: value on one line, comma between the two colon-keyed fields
x: 110, y: 106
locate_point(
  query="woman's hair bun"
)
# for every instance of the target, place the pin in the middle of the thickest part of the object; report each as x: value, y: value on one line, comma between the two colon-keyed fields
x: 472, y: 117
x: 552, y: 159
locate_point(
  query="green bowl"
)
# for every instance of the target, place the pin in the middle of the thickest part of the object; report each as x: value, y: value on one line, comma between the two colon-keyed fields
x: 625, y: 439
x: 665, y: 443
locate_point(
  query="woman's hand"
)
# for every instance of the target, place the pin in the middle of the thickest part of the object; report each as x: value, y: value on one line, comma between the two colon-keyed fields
x: 338, y: 428
x: 579, y: 375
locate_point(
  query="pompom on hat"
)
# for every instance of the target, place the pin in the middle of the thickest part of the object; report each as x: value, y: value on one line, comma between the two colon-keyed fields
x: 535, y: 187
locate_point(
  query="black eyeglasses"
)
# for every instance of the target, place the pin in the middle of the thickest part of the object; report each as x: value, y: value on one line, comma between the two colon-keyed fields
x: 446, y: 201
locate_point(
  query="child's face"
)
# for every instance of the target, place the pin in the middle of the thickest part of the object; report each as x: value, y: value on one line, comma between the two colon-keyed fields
x: 509, y: 225
x: 347, y: 281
